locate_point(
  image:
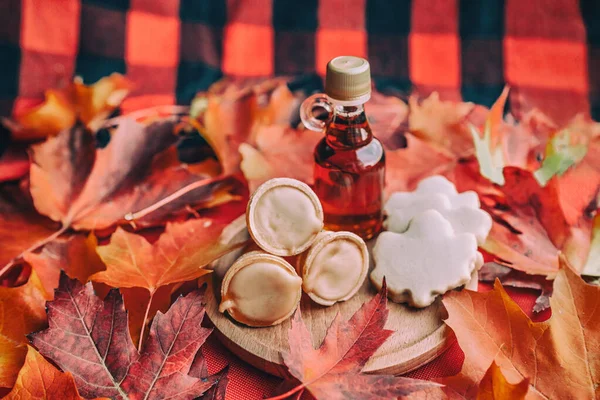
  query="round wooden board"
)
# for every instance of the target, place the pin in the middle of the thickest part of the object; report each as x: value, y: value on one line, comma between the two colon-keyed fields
x: 419, y: 337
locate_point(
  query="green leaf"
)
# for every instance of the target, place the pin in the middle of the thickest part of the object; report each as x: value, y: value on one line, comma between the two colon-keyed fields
x: 560, y: 156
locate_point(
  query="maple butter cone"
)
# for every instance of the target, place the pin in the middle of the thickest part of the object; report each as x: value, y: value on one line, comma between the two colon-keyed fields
x: 334, y: 268
x: 284, y: 216
x: 260, y: 289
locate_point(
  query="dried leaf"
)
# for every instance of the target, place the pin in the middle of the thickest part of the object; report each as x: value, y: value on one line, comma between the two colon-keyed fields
x: 21, y: 227
x: 511, y: 277
x: 12, y: 355
x: 90, y: 104
x: 494, y: 386
x: 490, y: 327
x: 577, y: 189
x: 491, y: 163
x: 138, y: 300
x: 280, y: 152
x: 405, y: 167
x: 199, y: 369
x: 14, y: 163
x: 89, y: 338
x: 442, y: 123
x: 524, y: 141
x: 38, y: 379
x: 21, y: 312
x: 76, y: 255
x: 489, y: 149
x: 531, y: 225
x: 592, y: 265
x: 178, y: 255
x: 87, y: 188
x: 96, y: 102
x: 561, y: 155
x: 495, y: 118
x: 542, y: 221
x: 333, y: 371
x: 218, y: 390
x: 53, y: 115
x: 234, y: 113
x: 388, y: 118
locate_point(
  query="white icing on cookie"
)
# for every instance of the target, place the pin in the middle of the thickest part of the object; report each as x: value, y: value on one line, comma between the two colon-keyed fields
x: 425, y: 196
x: 334, y: 268
x: 463, y: 220
x: 427, y: 260
x: 437, y: 193
x: 284, y: 216
x: 260, y: 290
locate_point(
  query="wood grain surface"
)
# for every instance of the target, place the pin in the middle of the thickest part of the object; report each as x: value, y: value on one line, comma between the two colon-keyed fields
x: 420, y: 335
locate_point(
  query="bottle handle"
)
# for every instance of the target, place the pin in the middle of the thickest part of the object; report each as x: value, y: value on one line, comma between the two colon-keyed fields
x: 307, y: 114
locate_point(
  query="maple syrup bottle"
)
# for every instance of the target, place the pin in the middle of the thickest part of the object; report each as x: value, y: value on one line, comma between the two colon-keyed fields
x: 349, y: 161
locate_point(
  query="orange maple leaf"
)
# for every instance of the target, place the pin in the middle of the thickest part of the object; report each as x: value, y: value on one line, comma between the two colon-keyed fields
x: 38, y: 379
x: 20, y: 225
x: 531, y: 223
x: 76, y: 255
x: 280, y: 151
x: 235, y: 111
x: 61, y: 108
x: 132, y: 179
x: 22, y: 310
x: 442, y: 123
x: 179, y: 255
x: 142, y: 306
x: 495, y: 386
x: 405, y: 167
x: 558, y: 356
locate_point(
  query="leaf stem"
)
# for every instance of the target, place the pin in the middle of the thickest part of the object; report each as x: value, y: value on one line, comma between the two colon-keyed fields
x: 34, y: 247
x: 148, y: 112
x: 288, y: 393
x: 174, y: 196
x: 145, y: 319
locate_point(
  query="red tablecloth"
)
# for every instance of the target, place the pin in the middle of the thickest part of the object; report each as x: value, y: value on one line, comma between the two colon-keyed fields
x: 247, y: 382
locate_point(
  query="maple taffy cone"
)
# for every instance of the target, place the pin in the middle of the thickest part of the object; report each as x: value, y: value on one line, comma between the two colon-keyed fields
x: 260, y: 289
x: 334, y: 268
x: 284, y: 216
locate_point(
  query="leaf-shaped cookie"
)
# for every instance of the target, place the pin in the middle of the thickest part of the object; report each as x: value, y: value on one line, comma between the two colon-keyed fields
x: 438, y: 193
x: 425, y: 196
x: 427, y: 260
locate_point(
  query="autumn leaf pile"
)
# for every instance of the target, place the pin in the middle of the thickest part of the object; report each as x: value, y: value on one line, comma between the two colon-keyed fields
x: 104, y: 237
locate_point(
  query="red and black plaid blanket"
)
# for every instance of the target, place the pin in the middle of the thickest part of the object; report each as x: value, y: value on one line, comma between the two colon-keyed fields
x: 547, y: 50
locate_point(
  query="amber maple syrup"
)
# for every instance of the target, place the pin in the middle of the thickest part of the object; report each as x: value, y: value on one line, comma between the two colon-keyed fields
x: 350, y: 173
x: 349, y: 170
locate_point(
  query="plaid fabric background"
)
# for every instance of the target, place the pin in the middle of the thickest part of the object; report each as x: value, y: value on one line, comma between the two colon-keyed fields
x: 548, y: 51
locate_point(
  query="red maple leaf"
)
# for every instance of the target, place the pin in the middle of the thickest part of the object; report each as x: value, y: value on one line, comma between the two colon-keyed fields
x: 333, y: 371
x: 89, y: 338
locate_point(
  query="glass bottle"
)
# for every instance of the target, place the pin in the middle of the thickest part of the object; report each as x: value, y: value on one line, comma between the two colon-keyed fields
x: 349, y: 169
